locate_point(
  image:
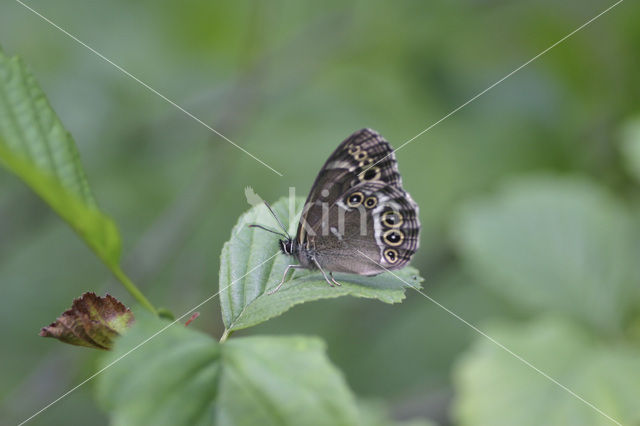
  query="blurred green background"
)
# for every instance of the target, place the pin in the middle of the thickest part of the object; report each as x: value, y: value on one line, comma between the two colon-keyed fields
x: 528, y: 196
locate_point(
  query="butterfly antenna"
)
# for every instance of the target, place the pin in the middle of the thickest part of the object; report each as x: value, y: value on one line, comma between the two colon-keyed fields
x: 277, y: 219
x: 268, y: 230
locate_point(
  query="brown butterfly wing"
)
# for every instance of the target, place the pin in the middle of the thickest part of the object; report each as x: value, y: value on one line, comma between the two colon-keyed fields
x: 372, y: 227
x: 365, y: 156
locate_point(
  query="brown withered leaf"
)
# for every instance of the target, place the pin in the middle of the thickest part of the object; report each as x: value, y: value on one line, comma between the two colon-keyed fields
x: 92, y: 321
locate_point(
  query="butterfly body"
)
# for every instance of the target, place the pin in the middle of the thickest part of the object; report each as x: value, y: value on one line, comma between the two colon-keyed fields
x: 357, y: 218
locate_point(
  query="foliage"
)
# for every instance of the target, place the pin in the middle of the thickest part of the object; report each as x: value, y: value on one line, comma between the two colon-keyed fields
x: 549, y: 243
x: 184, y: 377
x: 248, y: 269
x: 631, y: 146
x: 554, y: 246
x: 35, y: 146
x: 251, y: 380
x: 529, y: 196
x: 495, y: 389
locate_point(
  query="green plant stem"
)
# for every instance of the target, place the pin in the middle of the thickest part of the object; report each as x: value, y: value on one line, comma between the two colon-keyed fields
x: 132, y: 289
x: 225, y: 335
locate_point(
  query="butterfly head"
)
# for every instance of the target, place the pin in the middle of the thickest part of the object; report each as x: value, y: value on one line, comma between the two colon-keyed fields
x: 288, y: 246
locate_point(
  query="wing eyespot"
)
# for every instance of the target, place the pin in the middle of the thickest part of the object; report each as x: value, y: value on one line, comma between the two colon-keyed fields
x: 365, y: 162
x: 371, y: 174
x: 391, y: 255
x: 353, y: 149
x: 393, y: 237
x: 370, y: 202
x: 392, y: 219
x: 360, y: 155
x: 355, y: 199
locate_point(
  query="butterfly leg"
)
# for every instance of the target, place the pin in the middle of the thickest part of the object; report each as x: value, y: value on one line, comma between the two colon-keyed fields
x: 334, y: 280
x: 284, y: 276
x: 323, y: 273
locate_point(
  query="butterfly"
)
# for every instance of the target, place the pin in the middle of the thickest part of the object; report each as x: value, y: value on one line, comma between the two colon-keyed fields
x: 357, y: 218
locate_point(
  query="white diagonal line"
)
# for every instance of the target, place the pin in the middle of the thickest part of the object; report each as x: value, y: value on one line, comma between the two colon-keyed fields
x: 148, y: 87
x: 500, y: 345
x: 497, y: 82
x: 142, y: 343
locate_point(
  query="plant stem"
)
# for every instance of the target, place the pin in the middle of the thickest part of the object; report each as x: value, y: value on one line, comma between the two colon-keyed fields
x: 226, y: 334
x: 132, y: 289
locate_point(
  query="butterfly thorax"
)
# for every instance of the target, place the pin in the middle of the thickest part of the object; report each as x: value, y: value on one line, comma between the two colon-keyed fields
x: 303, y: 254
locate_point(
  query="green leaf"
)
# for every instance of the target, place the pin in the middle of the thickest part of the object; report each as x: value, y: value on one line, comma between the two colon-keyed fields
x: 35, y: 147
x: 630, y: 146
x: 494, y: 388
x: 170, y: 380
x: 251, y: 264
x: 97, y: 230
x: 558, y: 244
x: 269, y: 380
x: 32, y: 130
x: 184, y: 377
